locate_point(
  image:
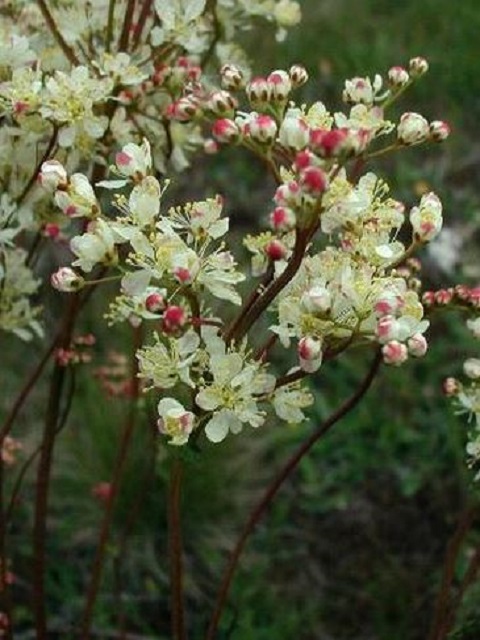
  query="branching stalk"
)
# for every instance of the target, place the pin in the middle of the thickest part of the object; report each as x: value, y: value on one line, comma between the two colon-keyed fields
x: 268, y: 496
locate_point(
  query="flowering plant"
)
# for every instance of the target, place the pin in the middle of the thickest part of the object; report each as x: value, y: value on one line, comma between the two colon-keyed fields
x: 98, y: 113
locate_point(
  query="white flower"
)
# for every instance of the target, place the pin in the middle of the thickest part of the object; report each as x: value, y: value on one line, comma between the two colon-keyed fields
x: 413, y: 129
x: 144, y: 201
x: 426, y: 219
x: 231, y: 396
x: 175, y: 421
x: 471, y: 368
x: 79, y: 199
x: 134, y: 159
x: 288, y: 402
x: 294, y: 131
x: 165, y: 364
x: 474, y: 326
x: 95, y: 246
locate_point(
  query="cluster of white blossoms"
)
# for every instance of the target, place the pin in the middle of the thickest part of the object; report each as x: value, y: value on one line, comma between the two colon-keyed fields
x: 466, y: 393
x: 334, y: 272
x: 80, y: 79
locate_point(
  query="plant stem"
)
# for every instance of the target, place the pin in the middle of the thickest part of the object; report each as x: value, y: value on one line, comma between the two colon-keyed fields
x: 239, y: 329
x: 52, y: 25
x: 127, y: 24
x: 43, y: 475
x: 271, y: 491
x: 175, y: 550
x: 444, y: 616
x: 142, y: 19
x: 110, y: 23
x: 104, y: 535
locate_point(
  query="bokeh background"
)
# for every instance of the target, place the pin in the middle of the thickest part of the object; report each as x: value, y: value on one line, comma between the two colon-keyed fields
x: 354, y: 545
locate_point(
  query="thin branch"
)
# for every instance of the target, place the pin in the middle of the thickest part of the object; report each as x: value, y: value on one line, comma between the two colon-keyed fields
x: 127, y: 25
x: 142, y: 19
x: 110, y: 23
x: 52, y: 25
x: 273, y: 488
x: 444, y: 612
x: 175, y: 550
x: 52, y: 417
x: 106, y: 525
x: 45, y: 156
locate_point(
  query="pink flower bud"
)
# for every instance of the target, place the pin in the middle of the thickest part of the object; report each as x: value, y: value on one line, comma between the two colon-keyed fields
x: 309, y: 354
x: 51, y: 230
x: 66, y: 280
x: 280, y: 84
x: 52, y: 175
x: 439, y: 130
x: 298, y: 75
x: 451, y: 387
x: 428, y: 298
x: 282, y: 219
x: 183, y: 275
x: 398, y: 76
x: 394, y: 353
x: 183, y: 110
x: 328, y: 144
x: 288, y: 195
x: 225, y: 131
x: 174, y: 317
x: 474, y: 297
x: 418, y: 67
x: 262, y: 128
x: 417, y: 345
x: 276, y: 250
x: 313, y: 180
x: 386, y: 329
x: 388, y: 304
x: 303, y: 159
x: 443, y: 296
x: 221, y: 103
x: 259, y: 91
x: 155, y: 303
x: 412, y: 129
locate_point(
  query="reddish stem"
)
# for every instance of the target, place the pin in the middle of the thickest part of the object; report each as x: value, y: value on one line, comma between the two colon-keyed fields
x: 175, y: 551
x: 52, y: 25
x: 273, y: 488
x: 444, y: 612
x: 104, y: 535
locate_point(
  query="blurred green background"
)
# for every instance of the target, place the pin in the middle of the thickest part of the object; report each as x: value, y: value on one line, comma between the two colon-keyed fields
x: 354, y: 545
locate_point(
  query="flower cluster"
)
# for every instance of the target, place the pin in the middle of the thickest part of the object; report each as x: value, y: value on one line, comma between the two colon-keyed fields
x: 335, y: 273
x: 466, y: 394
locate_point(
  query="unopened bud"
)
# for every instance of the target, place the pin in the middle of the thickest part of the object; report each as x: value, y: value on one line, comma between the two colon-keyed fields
x: 66, y: 280
x: 276, y: 250
x: 398, y: 76
x: 232, y: 77
x: 394, y: 353
x: 418, y: 67
x: 298, y: 75
x: 439, y: 130
x: 155, y: 303
x: 313, y: 180
x: 280, y: 84
x: 225, y: 130
x: 451, y: 387
x: 417, y: 345
x: 282, y: 219
x: 412, y: 129
x: 173, y: 318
